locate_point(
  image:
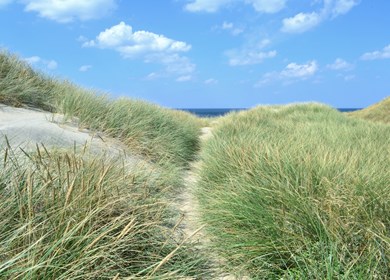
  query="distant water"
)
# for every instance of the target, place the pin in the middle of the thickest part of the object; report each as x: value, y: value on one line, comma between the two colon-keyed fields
x: 216, y: 112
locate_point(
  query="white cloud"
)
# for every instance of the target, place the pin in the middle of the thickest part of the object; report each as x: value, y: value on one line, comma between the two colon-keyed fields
x: 227, y: 25
x: 230, y: 27
x: 51, y: 64
x: 212, y: 6
x: 382, y: 54
x: 33, y: 59
x: 64, y: 11
x: 134, y: 44
x: 42, y: 63
x: 151, y: 76
x: 251, y: 54
x: 301, y: 22
x: 211, y: 81
x: 85, y: 68
x: 185, y: 78
x: 340, y: 7
x: 251, y: 57
x: 294, y: 70
x: 174, y: 65
x: 291, y: 72
x: 340, y: 64
x: 148, y: 46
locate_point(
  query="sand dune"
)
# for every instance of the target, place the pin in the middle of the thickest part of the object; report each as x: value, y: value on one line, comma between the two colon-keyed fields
x: 25, y: 128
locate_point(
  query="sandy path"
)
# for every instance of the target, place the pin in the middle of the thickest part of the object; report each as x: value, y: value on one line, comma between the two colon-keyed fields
x: 188, y: 206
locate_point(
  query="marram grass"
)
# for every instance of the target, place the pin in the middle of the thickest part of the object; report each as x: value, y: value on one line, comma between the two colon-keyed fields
x: 148, y: 129
x: 298, y: 192
x: 70, y: 216
x: 379, y: 112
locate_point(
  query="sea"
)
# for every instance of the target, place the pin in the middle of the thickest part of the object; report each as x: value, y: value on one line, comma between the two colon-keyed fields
x: 217, y: 112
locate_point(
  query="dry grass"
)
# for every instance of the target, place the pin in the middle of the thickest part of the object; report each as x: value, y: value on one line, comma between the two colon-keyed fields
x: 379, y: 112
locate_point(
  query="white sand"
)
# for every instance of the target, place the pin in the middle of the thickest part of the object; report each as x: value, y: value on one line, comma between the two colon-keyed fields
x: 25, y: 128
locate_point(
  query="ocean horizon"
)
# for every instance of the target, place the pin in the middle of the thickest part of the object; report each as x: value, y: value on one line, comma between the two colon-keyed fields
x: 217, y: 112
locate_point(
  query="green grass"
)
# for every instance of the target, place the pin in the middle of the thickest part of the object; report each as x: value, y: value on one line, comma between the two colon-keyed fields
x: 148, y: 129
x: 69, y: 216
x: 379, y: 112
x: 294, y: 192
x: 298, y: 192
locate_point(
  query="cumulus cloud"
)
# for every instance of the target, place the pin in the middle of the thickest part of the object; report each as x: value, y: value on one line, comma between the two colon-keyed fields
x: 134, y: 44
x: 382, y: 54
x: 303, y: 22
x: 85, y: 68
x: 42, y: 63
x: 292, y: 72
x: 64, y: 11
x: 148, y: 46
x: 212, y: 6
x: 340, y: 64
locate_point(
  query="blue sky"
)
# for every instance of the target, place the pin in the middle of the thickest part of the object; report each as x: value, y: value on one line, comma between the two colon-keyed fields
x: 209, y: 53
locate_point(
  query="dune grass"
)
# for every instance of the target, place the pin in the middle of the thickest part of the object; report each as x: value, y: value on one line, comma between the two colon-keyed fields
x: 70, y: 215
x: 66, y: 215
x: 298, y: 192
x: 379, y: 112
x: 148, y: 129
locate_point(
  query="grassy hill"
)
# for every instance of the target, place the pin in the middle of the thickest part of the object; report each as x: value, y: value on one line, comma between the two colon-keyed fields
x: 298, y: 192
x: 379, y: 112
x: 70, y: 215
x: 148, y: 129
x: 285, y: 192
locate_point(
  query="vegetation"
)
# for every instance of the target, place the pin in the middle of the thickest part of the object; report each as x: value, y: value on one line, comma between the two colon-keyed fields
x: 298, y: 192
x: 69, y: 216
x: 148, y: 129
x: 293, y: 192
x: 379, y: 112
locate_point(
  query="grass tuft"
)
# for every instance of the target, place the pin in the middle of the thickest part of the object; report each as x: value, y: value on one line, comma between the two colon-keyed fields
x: 68, y: 216
x: 298, y: 192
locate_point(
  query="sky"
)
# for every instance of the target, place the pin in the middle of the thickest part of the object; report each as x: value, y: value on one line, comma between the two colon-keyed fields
x: 209, y: 53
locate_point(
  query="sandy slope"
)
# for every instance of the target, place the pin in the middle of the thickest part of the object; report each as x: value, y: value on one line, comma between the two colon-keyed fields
x: 25, y: 128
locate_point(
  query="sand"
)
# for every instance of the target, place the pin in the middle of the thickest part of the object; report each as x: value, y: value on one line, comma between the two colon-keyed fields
x: 26, y: 128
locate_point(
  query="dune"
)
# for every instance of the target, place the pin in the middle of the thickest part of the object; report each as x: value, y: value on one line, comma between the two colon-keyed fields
x: 378, y: 112
x: 26, y: 128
